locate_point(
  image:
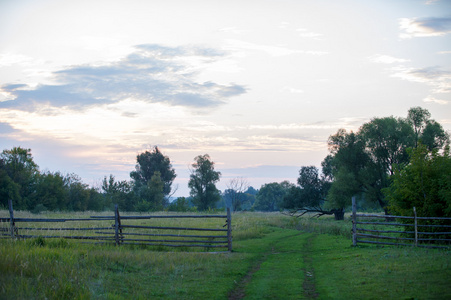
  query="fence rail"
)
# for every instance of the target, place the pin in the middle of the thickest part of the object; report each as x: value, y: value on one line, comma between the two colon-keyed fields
x: 401, y: 238
x: 131, y: 233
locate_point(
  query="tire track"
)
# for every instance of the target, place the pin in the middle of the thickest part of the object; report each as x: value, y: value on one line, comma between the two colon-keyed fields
x: 239, y: 292
x: 309, y: 273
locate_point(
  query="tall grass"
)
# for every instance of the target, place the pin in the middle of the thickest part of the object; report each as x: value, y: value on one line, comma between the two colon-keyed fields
x: 68, y: 269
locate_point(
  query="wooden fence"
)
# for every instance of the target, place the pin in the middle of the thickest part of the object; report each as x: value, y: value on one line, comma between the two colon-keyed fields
x: 125, y: 230
x: 392, y: 236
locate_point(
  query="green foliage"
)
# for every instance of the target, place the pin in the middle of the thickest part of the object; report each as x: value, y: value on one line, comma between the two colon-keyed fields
x: 310, y: 193
x: 18, y: 165
x: 362, y: 163
x: 181, y: 204
x: 150, y: 162
x: 425, y: 183
x: 270, y: 196
x: 268, y: 244
x: 118, y: 192
x: 202, y: 183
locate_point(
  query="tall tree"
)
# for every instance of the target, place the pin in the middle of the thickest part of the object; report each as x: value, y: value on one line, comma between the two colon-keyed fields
x: 118, y: 192
x: 50, y: 191
x: 234, y: 194
x: 428, y: 131
x: 363, y: 163
x: 22, y: 170
x: 202, y: 182
x: 150, y: 162
x: 270, y: 196
x: 424, y: 183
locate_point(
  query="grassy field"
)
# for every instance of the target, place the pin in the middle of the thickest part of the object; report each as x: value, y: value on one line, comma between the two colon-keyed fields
x: 274, y: 257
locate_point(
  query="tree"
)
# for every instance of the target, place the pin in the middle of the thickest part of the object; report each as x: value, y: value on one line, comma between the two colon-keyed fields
x: 9, y: 190
x: 310, y: 195
x: 50, y: 191
x: 118, y: 192
x: 78, y: 193
x: 361, y: 164
x: 418, y: 118
x: 424, y: 183
x: 428, y: 131
x: 235, y: 192
x: 21, y: 169
x: 202, y: 182
x: 150, y: 162
x: 345, y: 169
x: 181, y: 204
x: 386, y: 142
x: 270, y: 196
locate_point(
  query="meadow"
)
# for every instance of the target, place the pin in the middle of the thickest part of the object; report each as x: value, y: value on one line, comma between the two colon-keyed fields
x: 274, y: 257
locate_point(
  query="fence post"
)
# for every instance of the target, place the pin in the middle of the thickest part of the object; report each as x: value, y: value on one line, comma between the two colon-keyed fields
x: 11, y: 218
x: 354, y: 220
x: 229, y: 230
x: 416, y: 225
x: 116, y: 224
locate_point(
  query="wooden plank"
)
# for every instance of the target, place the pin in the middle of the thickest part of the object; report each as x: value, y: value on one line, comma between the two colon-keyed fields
x: 52, y: 220
x: 75, y: 237
x: 116, y: 224
x: 62, y: 228
x: 229, y: 229
x: 173, y: 217
x: 382, y: 243
x: 387, y: 224
x: 383, y: 216
x: 354, y: 222
x: 11, y: 218
x: 384, y: 237
x: 383, y: 231
x: 172, y: 228
x: 159, y: 217
x: 416, y: 226
x: 176, y: 241
x: 171, y: 245
x: 174, y: 235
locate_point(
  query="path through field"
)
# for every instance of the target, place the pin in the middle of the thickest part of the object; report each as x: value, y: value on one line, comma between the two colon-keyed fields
x: 283, y: 270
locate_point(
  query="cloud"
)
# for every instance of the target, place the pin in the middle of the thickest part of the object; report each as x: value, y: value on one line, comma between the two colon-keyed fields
x: 152, y: 73
x: 271, y: 50
x: 309, y: 34
x: 292, y: 90
x: 425, y: 27
x: 386, y: 59
x: 5, y: 128
x: 434, y: 100
x: 438, y: 79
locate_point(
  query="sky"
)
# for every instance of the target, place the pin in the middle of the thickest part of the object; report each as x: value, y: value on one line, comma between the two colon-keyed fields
x: 258, y: 85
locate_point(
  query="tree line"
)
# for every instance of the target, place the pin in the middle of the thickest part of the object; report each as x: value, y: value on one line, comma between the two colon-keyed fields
x: 149, y: 187
x: 389, y: 164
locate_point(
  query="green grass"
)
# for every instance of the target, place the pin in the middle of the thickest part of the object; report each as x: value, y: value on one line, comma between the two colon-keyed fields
x: 275, y: 257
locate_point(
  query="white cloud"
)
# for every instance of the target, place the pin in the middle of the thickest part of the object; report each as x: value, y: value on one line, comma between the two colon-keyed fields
x: 309, y: 34
x: 9, y: 59
x: 271, y: 50
x: 439, y: 80
x: 434, y: 100
x: 292, y: 90
x: 386, y: 59
x: 152, y: 73
x: 427, y: 27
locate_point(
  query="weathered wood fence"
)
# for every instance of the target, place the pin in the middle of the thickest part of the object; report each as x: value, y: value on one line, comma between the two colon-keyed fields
x: 126, y: 231
x: 415, y: 237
